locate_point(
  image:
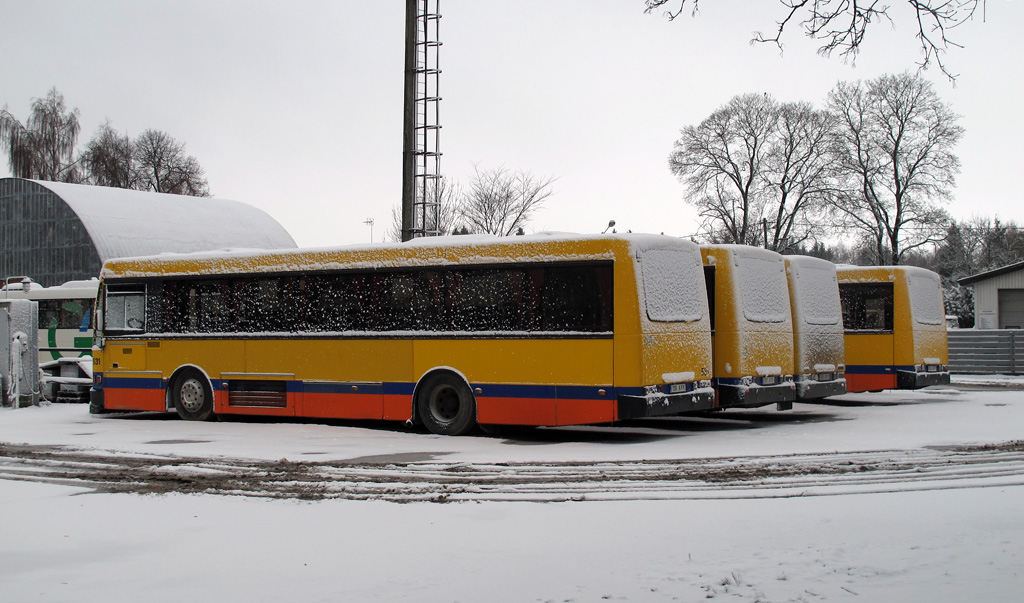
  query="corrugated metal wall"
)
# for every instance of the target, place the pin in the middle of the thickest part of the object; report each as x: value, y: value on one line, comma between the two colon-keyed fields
x: 41, y: 237
x: 986, y: 351
x: 986, y: 297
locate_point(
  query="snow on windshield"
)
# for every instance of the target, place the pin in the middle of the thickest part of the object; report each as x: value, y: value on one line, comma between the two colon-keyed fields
x: 817, y: 291
x: 673, y: 285
x: 926, y: 298
x: 762, y: 286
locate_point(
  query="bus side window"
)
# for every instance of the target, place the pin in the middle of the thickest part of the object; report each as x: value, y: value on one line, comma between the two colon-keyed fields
x: 577, y: 298
x: 71, y: 314
x: 49, y: 314
x: 867, y: 306
x: 485, y: 300
x: 709, y: 283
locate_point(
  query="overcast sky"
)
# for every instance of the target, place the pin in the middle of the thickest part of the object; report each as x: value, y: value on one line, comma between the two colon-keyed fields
x: 296, y: 107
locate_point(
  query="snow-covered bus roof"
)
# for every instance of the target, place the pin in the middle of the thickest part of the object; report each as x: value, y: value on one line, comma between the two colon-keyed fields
x: 869, y: 274
x: 32, y: 290
x: 127, y: 223
x: 428, y: 251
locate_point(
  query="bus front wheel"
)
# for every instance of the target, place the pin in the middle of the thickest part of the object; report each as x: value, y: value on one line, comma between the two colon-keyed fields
x: 192, y: 396
x: 446, y: 405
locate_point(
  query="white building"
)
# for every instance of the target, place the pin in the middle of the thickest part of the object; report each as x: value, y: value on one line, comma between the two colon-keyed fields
x: 998, y: 297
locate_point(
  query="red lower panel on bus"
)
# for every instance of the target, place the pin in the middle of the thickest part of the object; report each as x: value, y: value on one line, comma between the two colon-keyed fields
x: 516, y: 411
x: 134, y: 399
x: 542, y: 411
x: 343, y: 406
x: 869, y: 382
x: 397, y: 407
x: 580, y: 412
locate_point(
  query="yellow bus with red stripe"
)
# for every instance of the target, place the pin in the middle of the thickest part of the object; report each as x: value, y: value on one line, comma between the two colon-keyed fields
x: 752, y: 326
x: 449, y: 332
x: 819, y: 359
x: 895, y: 328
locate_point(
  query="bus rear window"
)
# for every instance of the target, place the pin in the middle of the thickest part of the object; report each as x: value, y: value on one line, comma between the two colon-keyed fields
x: 817, y: 296
x: 673, y: 282
x: 867, y: 306
x: 762, y: 288
x: 926, y: 300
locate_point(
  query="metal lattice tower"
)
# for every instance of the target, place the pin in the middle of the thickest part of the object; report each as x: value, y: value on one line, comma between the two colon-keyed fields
x: 422, y: 143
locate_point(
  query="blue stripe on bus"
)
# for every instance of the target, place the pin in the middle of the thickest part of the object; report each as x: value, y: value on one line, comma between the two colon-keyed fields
x: 338, y: 388
x: 133, y: 382
x: 399, y: 389
x: 488, y: 390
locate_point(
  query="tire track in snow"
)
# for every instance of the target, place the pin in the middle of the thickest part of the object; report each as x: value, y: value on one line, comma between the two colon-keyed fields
x: 718, y: 478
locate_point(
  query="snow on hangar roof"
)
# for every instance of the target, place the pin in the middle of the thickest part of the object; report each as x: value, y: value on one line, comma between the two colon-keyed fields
x: 127, y: 223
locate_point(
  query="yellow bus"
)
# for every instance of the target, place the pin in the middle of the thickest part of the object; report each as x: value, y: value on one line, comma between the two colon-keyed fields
x: 819, y: 361
x: 752, y: 327
x: 447, y: 332
x: 894, y: 320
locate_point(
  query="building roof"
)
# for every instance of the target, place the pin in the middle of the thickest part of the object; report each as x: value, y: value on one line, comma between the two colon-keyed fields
x: 968, y: 280
x: 127, y: 223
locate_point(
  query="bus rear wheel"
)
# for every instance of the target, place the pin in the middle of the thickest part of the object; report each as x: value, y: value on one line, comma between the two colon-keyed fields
x: 446, y: 405
x: 192, y: 396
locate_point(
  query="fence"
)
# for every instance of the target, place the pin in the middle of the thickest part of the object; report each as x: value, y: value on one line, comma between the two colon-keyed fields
x: 987, y: 351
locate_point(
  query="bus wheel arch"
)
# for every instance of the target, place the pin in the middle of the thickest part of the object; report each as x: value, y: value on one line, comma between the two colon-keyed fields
x: 191, y: 394
x: 444, y: 403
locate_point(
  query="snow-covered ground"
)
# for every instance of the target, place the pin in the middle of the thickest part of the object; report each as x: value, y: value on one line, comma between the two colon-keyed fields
x: 1010, y: 381
x: 896, y: 496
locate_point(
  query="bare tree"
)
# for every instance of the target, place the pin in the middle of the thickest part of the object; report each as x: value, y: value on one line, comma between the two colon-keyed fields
x: 108, y: 159
x: 44, y: 147
x: 841, y: 25
x: 893, y: 148
x: 163, y: 167
x: 756, y: 170
x: 798, y: 177
x: 500, y: 202
x: 720, y: 161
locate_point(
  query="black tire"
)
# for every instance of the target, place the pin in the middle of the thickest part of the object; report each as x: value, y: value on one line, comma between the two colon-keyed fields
x: 96, y: 409
x: 192, y: 396
x: 446, y: 405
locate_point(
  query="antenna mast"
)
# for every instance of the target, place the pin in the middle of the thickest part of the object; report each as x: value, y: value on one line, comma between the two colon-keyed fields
x: 421, y: 156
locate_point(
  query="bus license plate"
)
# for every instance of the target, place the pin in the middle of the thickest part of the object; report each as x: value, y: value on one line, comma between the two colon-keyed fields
x: 677, y: 388
x: 768, y: 381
